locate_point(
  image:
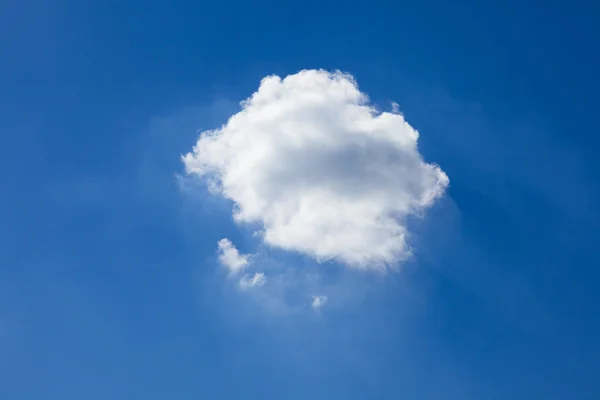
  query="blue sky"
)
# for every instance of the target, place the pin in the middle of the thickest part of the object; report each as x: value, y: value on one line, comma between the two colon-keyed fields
x: 110, y: 286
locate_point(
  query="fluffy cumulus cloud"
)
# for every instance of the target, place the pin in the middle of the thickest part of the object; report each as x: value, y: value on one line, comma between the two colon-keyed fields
x: 230, y: 257
x: 320, y: 170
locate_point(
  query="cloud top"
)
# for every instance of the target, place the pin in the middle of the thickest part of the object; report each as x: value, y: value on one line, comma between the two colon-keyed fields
x: 320, y: 170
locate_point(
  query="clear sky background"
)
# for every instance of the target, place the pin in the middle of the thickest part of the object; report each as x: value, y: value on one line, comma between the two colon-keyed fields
x: 110, y: 284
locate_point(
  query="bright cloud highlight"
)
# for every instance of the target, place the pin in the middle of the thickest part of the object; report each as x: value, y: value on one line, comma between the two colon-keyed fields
x: 320, y: 170
x: 249, y: 281
x: 318, y: 302
x: 230, y: 257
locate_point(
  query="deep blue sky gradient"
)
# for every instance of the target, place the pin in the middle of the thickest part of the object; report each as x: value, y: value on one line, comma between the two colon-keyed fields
x: 108, y: 283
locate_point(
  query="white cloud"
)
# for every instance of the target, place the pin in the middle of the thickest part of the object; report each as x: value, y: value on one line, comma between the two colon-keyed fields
x: 230, y: 257
x: 319, y: 301
x: 248, y: 281
x: 321, y: 171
